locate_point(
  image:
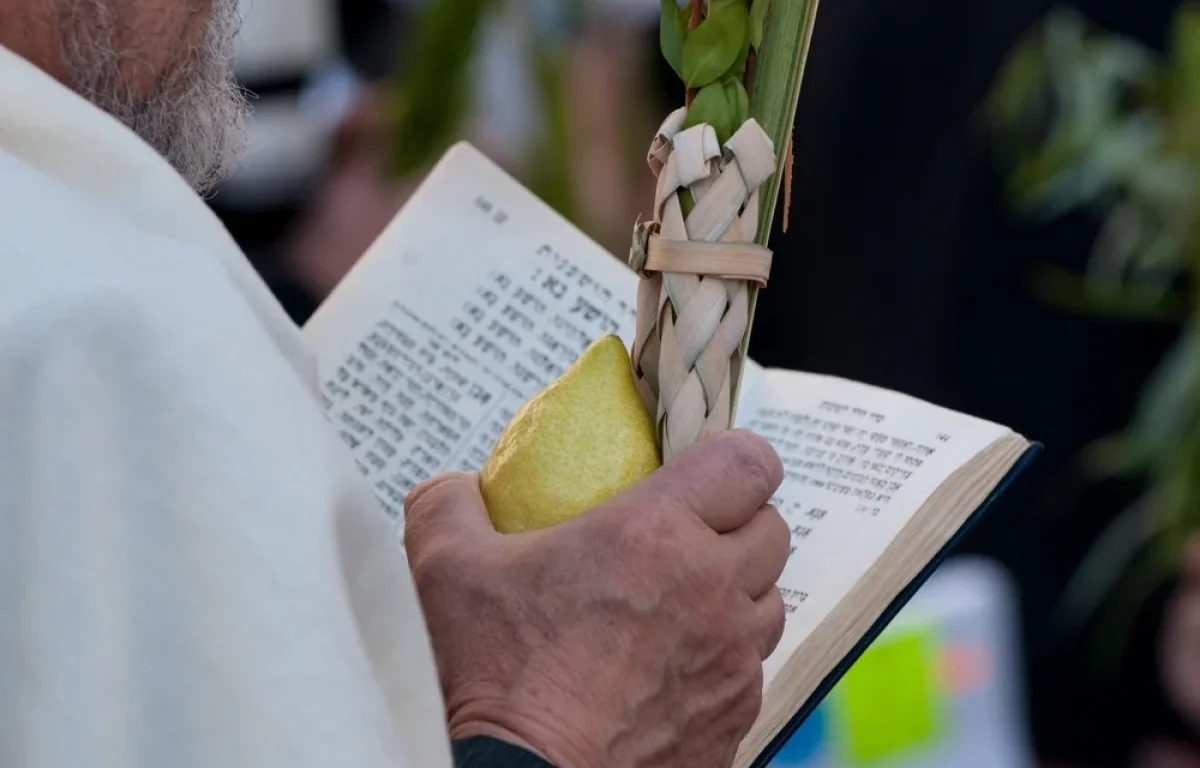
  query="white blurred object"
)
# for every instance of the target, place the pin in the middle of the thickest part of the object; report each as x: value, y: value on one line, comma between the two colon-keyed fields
x: 506, y: 105
x: 282, y: 37
x: 289, y: 132
x: 646, y: 8
x: 289, y: 142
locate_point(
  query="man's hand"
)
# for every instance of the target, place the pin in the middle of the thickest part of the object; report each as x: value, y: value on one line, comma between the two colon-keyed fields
x: 631, y: 636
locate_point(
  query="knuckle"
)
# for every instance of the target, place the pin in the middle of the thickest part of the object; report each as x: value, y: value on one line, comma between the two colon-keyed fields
x: 717, y: 588
x: 776, y: 622
x: 655, y: 532
x: 421, y: 508
x: 424, y: 496
x: 720, y: 569
x: 723, y: 602
x: 435, y: 565
x: 754, y: 459
x: 779, y: 538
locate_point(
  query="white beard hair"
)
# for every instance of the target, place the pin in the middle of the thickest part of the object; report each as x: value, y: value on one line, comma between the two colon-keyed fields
x: 195, y: 116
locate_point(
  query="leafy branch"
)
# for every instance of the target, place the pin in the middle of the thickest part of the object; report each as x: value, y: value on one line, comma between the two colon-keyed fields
x: 432, y: 96
x: 740, y: 59
x: 710, y: 53
x: 1092, y: 121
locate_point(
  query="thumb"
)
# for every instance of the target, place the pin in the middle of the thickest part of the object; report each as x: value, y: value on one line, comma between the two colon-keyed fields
x: 724, y: 480
x: 447, y: 510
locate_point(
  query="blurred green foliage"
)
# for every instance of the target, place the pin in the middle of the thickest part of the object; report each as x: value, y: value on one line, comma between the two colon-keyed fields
x: 434, y: 89
x: 1086, y: 120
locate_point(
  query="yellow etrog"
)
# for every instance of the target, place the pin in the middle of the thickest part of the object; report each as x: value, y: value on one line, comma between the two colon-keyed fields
x: 583, y: 439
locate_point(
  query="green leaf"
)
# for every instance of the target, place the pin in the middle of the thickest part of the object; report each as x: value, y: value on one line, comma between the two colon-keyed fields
x: 778, y: 73
x: 436, y: 87
x: 1184, y: 78
x: 758, y: 17
x: 1184, y: 50
x: 1145, y: 576
x: 687, y: 203
x: 1067, y: 290
x: 1016, y: 87
x: 712, y: 48
x: 738, y: 68
x: 741, y: 101
x: 1165, y: 406
x: 1109, y: 559
x: 672, y: 32
x: 1115, y: 456
x: 714, y: 105
x: 548, y: 174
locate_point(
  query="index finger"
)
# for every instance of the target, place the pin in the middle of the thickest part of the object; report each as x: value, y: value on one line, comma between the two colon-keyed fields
x: 723, y: 480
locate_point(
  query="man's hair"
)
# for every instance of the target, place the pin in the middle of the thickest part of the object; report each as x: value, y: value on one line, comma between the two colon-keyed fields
x: 195, y: 114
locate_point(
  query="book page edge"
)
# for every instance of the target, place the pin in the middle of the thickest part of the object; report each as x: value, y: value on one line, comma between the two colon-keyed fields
x: 778, y: 706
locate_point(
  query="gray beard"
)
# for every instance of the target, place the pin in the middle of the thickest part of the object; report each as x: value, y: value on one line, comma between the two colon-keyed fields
x: 195, y: 115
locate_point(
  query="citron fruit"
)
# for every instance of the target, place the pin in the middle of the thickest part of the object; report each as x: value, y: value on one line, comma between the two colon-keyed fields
x: 583, y: 439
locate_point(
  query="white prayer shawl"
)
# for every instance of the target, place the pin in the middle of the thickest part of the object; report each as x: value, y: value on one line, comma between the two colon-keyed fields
x: 192, y: 573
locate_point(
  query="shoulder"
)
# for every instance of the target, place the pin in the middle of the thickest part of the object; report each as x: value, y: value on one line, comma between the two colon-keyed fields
x: 72, y: 272
x: 56, y: 248
x: 107, y: 321
x: 123, y: 346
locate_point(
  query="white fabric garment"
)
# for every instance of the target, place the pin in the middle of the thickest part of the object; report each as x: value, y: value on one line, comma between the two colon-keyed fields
x: 192, y: 573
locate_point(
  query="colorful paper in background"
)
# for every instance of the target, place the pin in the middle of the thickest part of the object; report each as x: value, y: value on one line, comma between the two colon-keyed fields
x: 939, y: 689
x: 890, y: 702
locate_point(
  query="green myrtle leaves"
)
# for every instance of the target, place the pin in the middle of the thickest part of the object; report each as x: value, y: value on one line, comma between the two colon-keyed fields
x: 672, y: 31
x: 712, y: 48
x: 724, y: 106
x: 713, y: 107
x: 711, y: 59
x: 741, y: 103
x: 758, y: 18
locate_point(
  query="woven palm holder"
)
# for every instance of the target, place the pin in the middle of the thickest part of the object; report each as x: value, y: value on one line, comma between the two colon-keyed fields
x: 693, y: 312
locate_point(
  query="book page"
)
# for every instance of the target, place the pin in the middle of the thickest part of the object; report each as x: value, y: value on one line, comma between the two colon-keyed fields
x: 858, y: 464
x: 473, y: 300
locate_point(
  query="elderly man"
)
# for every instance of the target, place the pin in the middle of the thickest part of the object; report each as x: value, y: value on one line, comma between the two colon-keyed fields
x: 191, y: 571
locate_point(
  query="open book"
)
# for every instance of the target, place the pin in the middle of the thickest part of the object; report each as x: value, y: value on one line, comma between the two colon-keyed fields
x: 478, y: 295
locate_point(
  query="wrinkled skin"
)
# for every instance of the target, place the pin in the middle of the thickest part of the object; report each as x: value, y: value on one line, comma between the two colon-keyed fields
x: 631, y: 636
